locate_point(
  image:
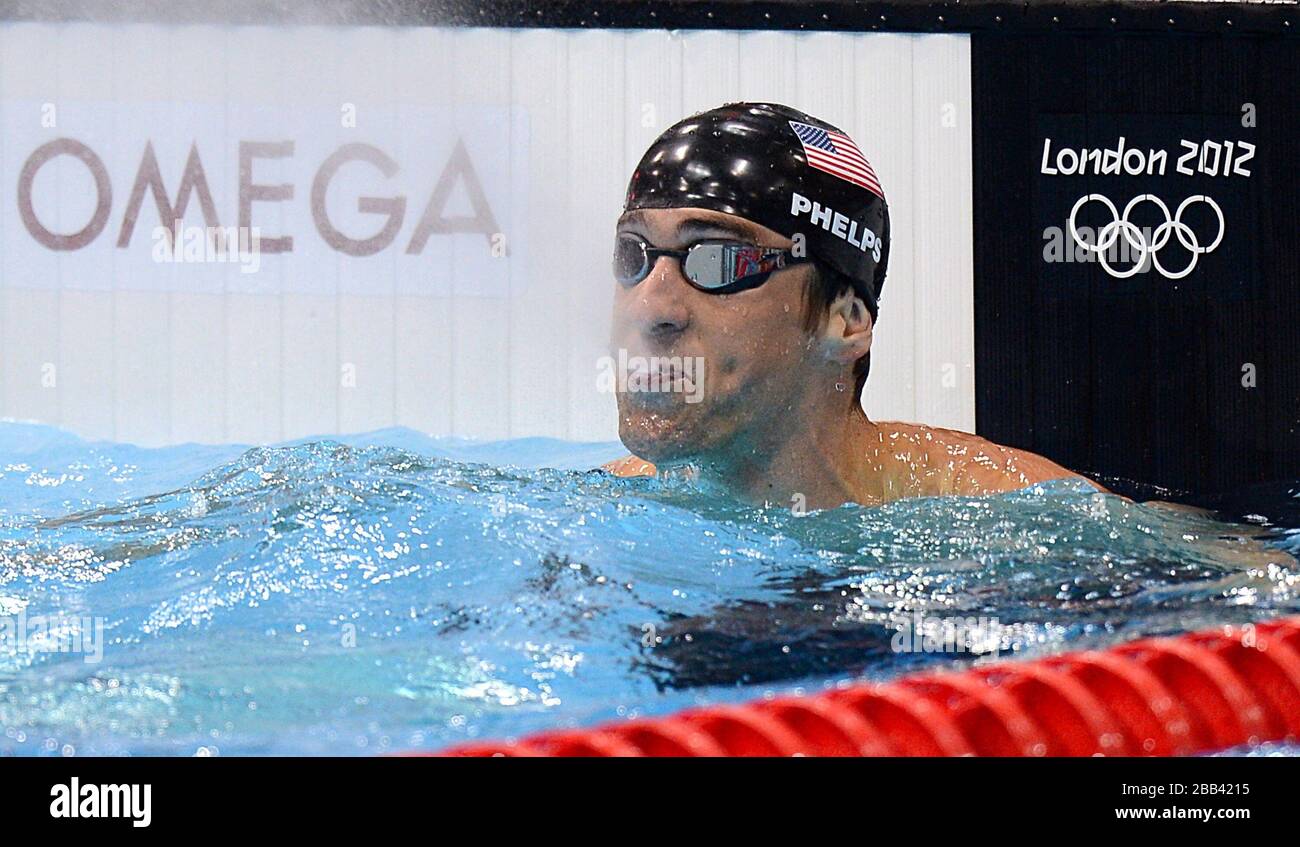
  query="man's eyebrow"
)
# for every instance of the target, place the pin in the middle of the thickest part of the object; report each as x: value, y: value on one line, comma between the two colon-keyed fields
x: 695, y: 227
x: 703, y: 226
x: 636, y: 218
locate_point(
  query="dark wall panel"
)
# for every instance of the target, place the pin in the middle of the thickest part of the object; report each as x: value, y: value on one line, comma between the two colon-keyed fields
x: 1140, y: 375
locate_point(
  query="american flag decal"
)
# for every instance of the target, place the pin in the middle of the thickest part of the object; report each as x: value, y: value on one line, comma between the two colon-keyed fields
x: 836, y: 154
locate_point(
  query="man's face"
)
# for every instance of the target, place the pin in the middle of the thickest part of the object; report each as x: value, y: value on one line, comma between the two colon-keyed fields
x: 754, y: 352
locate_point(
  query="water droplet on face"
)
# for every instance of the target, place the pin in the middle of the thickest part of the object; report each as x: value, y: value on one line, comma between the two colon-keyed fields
x: 839, y: 386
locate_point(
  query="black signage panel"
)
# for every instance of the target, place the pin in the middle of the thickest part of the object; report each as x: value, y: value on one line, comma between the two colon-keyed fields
x: 1136, y: 231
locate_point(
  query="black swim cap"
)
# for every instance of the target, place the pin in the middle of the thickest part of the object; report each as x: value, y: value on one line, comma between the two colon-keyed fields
x: 779, y: 168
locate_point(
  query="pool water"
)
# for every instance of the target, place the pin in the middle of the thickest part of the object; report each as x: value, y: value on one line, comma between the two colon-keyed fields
x: 391, y: 592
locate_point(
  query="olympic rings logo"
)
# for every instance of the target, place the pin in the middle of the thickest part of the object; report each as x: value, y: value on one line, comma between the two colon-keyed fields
x: 1120, y: 225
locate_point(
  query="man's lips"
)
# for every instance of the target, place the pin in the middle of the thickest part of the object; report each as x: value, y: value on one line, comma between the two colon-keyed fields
x: 648, y: 377
x: 662, y: 370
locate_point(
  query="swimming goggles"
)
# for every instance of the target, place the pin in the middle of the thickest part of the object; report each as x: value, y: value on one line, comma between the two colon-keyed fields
x: 715, y: 267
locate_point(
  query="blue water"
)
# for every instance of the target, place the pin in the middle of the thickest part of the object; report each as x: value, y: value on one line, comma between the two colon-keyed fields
x: 390, y: 592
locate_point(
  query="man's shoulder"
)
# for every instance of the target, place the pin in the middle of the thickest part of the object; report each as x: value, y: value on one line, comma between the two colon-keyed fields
x: 935, y: 443
x: 630, y: 466
x: 993, y: 467
x: 980, y: 466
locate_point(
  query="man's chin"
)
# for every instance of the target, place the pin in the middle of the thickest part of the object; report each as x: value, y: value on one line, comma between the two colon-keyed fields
x: 656, y: 437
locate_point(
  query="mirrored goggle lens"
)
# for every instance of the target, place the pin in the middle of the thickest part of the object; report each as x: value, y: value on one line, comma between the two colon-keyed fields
x: 630, y: 260
x: 722, y: 265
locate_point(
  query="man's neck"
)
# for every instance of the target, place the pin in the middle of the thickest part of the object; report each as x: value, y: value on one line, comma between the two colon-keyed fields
x: 817, y: 465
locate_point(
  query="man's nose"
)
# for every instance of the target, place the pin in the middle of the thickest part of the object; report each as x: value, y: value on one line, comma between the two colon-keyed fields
x: 660, y: 301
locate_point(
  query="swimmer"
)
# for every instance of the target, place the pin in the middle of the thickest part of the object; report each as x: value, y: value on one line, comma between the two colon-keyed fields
x: 753, y: 242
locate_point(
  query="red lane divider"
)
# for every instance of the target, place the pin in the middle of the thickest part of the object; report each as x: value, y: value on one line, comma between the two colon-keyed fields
x: 1195, y: 693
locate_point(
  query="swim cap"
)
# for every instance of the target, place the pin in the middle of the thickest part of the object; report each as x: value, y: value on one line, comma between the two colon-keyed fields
x: 779, y: 168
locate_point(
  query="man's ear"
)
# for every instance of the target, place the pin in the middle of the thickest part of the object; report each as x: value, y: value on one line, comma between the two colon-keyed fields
x: 848, y: 332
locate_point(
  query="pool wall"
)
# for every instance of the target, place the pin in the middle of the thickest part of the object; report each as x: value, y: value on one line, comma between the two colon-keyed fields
x: 473, y: 298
